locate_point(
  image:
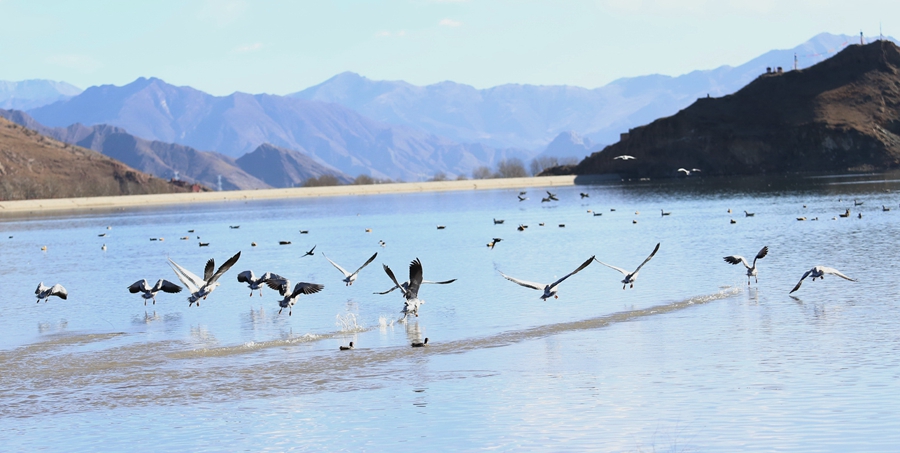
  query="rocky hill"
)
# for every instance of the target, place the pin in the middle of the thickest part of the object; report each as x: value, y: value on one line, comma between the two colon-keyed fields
x: 840, y: 115
x: 34, y: 166
x: 280, y: 167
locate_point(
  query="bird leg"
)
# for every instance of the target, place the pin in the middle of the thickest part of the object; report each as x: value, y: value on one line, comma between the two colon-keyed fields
x: 632, y: 285
x: 279, y: 311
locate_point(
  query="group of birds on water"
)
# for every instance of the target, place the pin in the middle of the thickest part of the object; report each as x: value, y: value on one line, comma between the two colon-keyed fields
x: 201, y: 287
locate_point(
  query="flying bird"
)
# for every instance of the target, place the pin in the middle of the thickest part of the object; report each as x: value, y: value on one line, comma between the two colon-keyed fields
x: 142, y: 286
x: 44, y: 292
x: 348, y: 277
x: 283, y: 286
x: 310, y: 252
x: 552, y: 196
x: 688, y: 172
x: 585, y: 195
x: 630, y: 277
x: 819, y: 272
x: 494, y: 242
x: 200, y: 288
x: 404, y: 287
x: 751, y: 269
x: 253, y: 282
x: 549, y: 289
x: 521, y: 198
x: 410, y: 288
x: 624, y: 157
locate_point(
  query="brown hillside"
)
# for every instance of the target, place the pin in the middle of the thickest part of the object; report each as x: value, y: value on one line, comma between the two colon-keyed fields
x: 33, y: 166
x: 840, y: 115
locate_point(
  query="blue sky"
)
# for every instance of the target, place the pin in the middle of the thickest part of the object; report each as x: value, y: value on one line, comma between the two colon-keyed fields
x: 222, y: 46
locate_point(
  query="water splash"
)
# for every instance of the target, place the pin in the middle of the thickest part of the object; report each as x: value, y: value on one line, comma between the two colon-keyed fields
x: 348, y: 323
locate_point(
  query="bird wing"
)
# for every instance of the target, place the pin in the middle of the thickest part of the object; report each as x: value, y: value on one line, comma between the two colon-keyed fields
x: 737, y: 259
x: 390, y: 274
x: 801, y: 280
x: 278, y: 283
x: 385, y: 292
x: 224, y: 268
x: 648, y: 259
x: 343, y: 271
x: 761, y: 254
x: 583, y: 265
x: 208, y: 270
x: 532, y: 285
x: 246, y: 277
x: 415, y: 279
x: 58, y: 290
x: 833, y: 271
x: 40, y: 287
x: 310, y: 252
x: 187, y: 277
x: 623, y: 271
x: 166, y: 286
x: 372, y: 258
x: 139, y: 286
x: 439, y: 283
x: 306, y: 288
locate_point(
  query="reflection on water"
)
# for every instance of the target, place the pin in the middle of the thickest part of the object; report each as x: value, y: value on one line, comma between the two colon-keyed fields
x: 691, y: 359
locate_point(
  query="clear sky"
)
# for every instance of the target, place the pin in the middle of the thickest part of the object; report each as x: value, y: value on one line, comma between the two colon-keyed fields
x: 222, y: 46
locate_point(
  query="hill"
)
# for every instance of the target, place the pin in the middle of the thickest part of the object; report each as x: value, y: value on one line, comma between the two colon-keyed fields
x: 280, y: 167
x: 237, y: 124
x: 840, y: 115
x: 33, y: 166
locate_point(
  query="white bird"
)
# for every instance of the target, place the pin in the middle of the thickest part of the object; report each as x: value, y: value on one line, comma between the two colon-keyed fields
x: 549, y: 289
x: 624, y: 157
x: 253, y: 282
x: 751, y: 269
x: 630, y: 277
x: 688, y: 172
x: 142, y: 286
x: 283, y: 285
x: 44, y: 292
x: 410, y: 288
x: 819, y: 272
x: 200, y: 288
x: 348, y: 277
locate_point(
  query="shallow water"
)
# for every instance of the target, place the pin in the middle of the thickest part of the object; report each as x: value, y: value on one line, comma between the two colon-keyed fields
x: 690, y: 359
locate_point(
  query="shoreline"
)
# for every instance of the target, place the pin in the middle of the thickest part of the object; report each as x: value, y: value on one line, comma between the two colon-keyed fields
x: 125, y: 201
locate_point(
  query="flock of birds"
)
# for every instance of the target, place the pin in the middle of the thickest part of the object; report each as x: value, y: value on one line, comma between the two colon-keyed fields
x: 201, y: 287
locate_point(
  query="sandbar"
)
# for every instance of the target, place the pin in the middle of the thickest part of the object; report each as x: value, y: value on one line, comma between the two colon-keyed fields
x: 19, y: 207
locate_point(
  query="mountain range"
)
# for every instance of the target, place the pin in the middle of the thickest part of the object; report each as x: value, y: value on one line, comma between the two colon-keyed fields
x: 33, y: 93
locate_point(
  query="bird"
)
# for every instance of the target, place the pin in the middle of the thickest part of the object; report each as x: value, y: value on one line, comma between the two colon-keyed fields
x: 103, y: 247
x: 44, y: 292
x: 801, y: 218
x: 410, y: 288
x: 749, y: 214
x: 253, y: 282
x: 819, y: 272
x: 420, y: 344
x: 521, y: 198
x: 348, y: 277
x: 584, y: 195
x: 284, y: 242
x: 382, y: 243
x: 523, y: 192
x: 857, y: 202
x: 142, y: 286
x: 200, y: 288
x: 733, y: 221
x: 631, y: 277
x: 304, y: 231
x: 550, y: 288
x: 405, y: 285
x: 283, y: 285
x: 885, y: 208
x: 521, y: 227
x: 310, y: 252
x: 103, y: 235
x: 597, y: 214
x: 751, y: 269
x: 545, y: 200
x: 498, y: 221
x: 624, y: 157
x: 664, y: 213
x: 346, y: 348
x: 845, y: 214
x: 234, y: 227
x: 688, y: 172
x: 441, y: 227
x: 552, y: 196
x: 204, y: 244
x: 493, y: 242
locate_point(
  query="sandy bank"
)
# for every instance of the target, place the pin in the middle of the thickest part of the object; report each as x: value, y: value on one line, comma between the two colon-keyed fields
x: 76, y: 204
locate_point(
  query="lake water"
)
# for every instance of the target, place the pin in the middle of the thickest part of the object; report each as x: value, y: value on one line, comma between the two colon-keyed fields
x: 690, y: 359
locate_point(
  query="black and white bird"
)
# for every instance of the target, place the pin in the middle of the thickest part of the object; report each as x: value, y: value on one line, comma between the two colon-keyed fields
x: 283, y: 286
x: 688, y: 172
x: 43, y: 292
x: 404, y: 287
x: 410, y: 288
x: 751, y: 269
x: 253, y: 282
x: 149, y: 293
x: 819, y: 272
x: 348, y: 277
x: 630, y: 277
x: 494, y: 242
x: 549, y: 289
x: 346, y: 348
x: 200, y: 288
x: 420, y: 344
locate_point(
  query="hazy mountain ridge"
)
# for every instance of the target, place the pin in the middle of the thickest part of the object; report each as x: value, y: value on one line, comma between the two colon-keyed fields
x: 28, y: 94
x: 164, y: 160
x: 236, y: 124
